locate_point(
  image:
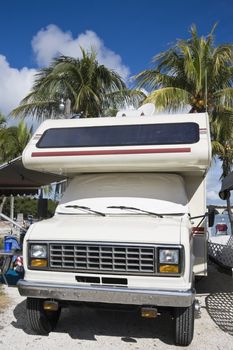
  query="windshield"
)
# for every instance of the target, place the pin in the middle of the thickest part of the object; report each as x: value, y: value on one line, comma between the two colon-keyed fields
x: 157, y: 193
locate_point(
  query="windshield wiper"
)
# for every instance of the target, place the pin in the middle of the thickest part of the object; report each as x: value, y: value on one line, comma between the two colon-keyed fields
x: 136, y: 209
x: 85, y: 208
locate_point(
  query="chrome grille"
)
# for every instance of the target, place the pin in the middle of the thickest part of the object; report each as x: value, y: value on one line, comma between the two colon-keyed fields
x: 103, y: 258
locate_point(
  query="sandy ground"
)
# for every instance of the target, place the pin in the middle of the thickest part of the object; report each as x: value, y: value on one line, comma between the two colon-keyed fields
x: 83, y: 328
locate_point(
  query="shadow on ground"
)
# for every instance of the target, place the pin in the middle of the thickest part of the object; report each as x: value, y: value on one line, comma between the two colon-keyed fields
x: 219, y: 301
x: 86, y: 323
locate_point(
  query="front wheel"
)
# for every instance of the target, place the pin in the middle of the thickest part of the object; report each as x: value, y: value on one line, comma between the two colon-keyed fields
x: 42, y: 322
x: 184, y: 325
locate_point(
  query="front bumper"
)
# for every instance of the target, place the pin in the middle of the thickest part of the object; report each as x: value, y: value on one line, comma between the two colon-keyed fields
x: 103, y: 294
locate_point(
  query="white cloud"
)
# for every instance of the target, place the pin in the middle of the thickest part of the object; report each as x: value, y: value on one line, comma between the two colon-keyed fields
x: 15, y: 85
x: 52, y: 41
x: 213, y: 197
x: 47, y: 43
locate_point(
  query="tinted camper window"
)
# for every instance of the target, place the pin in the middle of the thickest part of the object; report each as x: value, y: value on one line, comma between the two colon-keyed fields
x: 120, y: 135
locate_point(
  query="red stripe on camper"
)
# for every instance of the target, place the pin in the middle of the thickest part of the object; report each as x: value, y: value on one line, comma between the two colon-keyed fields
x: 109, y: 152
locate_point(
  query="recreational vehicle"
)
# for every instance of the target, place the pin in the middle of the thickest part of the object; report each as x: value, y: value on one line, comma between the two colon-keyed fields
x: 130, y: 229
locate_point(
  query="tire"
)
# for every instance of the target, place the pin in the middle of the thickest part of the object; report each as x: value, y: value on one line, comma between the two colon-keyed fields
x: 184, y: 325
x: 40, y: 321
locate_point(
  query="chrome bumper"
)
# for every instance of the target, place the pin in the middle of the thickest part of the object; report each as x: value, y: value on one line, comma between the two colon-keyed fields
x: 102, y: 294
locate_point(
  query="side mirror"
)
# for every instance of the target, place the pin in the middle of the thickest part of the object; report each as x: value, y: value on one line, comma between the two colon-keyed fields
x: 224, y: 195
x: 211, y: 215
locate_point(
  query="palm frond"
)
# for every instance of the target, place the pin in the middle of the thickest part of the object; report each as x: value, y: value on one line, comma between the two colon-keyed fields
x: 39, y: 109
x: 224, y: 97
x: 169, y: 98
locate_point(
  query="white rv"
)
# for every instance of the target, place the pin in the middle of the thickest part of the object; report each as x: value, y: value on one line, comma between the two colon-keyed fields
x: 130, y: 228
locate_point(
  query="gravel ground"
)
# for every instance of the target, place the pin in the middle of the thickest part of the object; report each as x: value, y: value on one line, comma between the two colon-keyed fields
x: 84, y: 328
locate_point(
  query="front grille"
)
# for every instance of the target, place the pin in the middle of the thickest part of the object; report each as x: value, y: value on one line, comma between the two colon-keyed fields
x: 103, y: 258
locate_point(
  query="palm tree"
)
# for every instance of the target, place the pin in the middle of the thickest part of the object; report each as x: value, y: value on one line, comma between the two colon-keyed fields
x: 2, y: 120
x: 192, y: 73
x: 13, y: 141
x: 90, y: 87
x: 196, y: 74
x: 222, y: 144
x: 2, y: 136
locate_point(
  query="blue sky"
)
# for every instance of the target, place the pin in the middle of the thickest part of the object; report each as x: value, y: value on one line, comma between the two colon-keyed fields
x: 136, y: 30
x: 126, y: 34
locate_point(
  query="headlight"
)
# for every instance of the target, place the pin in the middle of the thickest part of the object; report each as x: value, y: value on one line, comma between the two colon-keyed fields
x: 169, y: 256
x: 38, y: 256
x: 38, y: 251
x: 169, y: 261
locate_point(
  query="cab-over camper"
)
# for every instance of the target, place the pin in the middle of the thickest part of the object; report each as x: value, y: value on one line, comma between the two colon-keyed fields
x: 128, y: 229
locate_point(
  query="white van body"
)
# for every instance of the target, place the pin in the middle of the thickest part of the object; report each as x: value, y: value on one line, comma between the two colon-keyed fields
x: 136, y: 187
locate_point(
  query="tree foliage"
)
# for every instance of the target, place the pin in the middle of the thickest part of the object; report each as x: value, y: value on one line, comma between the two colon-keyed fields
x: 13, y: 140
x: 91, y: 88
x: 193, y: 72
x: 27, y: 206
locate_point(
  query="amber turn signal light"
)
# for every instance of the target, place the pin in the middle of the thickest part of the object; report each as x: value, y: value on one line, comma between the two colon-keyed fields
x: 39, y: 263
x: 169, y: 268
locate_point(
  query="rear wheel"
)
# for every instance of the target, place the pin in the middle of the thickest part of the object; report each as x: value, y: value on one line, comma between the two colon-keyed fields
x: 42, y: 322
x: 184, y: 325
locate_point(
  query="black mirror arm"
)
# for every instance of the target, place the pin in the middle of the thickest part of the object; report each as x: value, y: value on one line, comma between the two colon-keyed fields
x: 208, y: 214
x: 199, y: 216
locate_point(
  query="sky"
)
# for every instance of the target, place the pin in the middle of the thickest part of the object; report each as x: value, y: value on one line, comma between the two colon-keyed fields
x: 126, y: 34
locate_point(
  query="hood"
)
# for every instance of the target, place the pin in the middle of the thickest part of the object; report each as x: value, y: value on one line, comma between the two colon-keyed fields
x: 131, y: 228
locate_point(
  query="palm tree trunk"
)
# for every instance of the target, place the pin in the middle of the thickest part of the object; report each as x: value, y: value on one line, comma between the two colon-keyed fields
x: 2, y: 204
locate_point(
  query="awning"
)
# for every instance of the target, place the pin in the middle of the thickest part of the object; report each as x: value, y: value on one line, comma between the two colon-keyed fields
x: 227, y: 185
x: 16, y: 179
